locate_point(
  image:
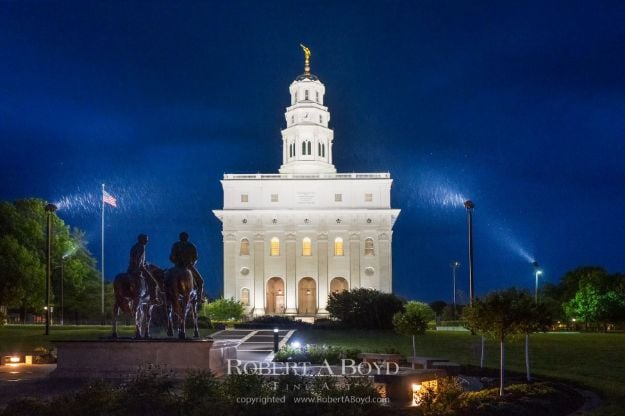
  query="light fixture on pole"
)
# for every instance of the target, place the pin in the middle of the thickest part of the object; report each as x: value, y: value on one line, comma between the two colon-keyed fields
x: 469, y: 205
x: 49, y: 209
x: 537, y: 272
x: 454, y: 266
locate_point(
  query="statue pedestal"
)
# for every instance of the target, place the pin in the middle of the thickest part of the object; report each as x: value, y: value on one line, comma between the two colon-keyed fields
x: 122, y: 358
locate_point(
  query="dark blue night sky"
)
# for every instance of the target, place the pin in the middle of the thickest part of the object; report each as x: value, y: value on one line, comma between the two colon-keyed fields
x: 519, y: 106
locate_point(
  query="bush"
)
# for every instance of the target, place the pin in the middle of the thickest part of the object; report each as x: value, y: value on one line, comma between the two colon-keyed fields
x: 365, y: 308
x: 223, y: 310
x: 274, y: 321
x: 316, y: 354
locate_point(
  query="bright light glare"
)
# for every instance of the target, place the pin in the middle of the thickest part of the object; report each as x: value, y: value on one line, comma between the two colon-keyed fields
x: 14, y: 359
x: 295, y: 344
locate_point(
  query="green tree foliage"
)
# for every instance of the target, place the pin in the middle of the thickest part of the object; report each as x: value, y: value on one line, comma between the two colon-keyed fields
x: 364, y: 308
x: 501, y: 315
x: 23, y: 261
x: 588, y: 294
x: 413, y: 321
x: 223, y: 310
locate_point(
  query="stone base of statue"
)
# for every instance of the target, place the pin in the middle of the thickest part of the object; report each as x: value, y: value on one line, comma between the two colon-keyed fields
x: 124, y: 358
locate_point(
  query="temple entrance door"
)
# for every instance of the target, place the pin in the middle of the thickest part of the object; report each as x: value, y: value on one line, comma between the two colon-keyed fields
x: 275, y: 296
x: 338, y: 285
x: 307, y: 297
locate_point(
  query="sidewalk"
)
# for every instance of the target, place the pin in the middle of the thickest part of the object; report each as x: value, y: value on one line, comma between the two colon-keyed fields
x: 255, y: 345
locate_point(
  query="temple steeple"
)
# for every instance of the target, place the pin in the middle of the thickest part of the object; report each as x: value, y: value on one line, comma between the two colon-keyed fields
x: 307, y: 139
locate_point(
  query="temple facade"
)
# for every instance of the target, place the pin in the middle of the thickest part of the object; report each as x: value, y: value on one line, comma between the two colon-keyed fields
x: 292, y: 238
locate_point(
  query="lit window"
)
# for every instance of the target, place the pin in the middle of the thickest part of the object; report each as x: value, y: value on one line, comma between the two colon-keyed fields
x: 368, y: 197
x: 244, y: 198
x: 275, y: 246
x: 306, y: 95
x: 369, y: 251
x: 306, y: 247
x: 245, y: 297
x: 338, y: 197
x: 338, y: 247
x: 274, y: 197
x: 245, y: 247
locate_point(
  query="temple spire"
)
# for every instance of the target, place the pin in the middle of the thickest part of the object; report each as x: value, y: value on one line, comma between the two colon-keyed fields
x: 306, y: 59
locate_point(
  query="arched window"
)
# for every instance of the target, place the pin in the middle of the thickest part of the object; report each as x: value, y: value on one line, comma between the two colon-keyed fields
x: 306, y: 95
x: 245, y: 247
x: 317, y: 95
x: 323, y: 150
x: 306, y: 247
x: 369, y: 251
x: 309, y: 148
x: 245, y: 297
x: 303, y: 148
x: 320, y: 119
x: 338, y: 247
x: 275, y: 247
x: 319, y: 148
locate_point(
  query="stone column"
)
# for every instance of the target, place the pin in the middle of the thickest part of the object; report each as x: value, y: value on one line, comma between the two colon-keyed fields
x: 354, y: 261
x: 230, y: 274
x: 384, y: 276
x: 322, y: 273
x: 291, y: 273
x: 259, y: 275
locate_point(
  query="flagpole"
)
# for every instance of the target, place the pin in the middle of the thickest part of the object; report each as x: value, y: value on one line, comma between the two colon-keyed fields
x: 102, y: 257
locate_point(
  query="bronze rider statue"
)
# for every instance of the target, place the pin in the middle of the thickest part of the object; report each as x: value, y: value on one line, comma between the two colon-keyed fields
x: 184, y: 255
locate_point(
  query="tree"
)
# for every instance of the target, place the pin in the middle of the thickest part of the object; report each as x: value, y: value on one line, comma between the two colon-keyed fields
x: 438, y: 306
x: 499, y: 315
x: 364, y: 308
x: 533, y: 318
x: 585, y: 305
x: 413, y: 321
x: 23, y: 259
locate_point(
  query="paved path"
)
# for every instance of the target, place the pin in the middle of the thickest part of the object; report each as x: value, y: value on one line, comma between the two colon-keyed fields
x: 255, y: 345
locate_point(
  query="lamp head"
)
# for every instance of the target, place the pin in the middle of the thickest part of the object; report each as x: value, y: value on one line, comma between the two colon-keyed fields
x: 468, y: 204
x: 50, y: 208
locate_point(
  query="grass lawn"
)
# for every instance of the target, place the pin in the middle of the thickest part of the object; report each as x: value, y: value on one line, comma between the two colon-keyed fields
x: 595, y: 361
x: 23, y: 338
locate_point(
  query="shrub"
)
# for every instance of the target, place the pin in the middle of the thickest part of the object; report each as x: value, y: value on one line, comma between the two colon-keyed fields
x: 316, y: 354
x: 274, y: 321
x: 223, y: 310
x: 364, y: 308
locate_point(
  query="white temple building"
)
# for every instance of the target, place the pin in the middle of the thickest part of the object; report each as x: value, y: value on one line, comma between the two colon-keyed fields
x: 292, y: 238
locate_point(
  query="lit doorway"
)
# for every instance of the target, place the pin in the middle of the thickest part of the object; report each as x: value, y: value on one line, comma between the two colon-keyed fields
x: 307, y: 299
x: 275, y: 296
x: 338, y: 285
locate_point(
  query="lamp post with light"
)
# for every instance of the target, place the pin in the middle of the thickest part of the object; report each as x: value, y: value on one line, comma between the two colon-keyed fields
x: 469, y: 206
x: 454, y: 266
x: 49, y: 209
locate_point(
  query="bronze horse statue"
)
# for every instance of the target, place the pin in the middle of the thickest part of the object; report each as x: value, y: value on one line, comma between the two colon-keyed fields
x: 181, y: 298
x: 138, y: 298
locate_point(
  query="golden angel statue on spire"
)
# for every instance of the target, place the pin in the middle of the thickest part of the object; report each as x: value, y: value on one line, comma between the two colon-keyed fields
x: 307, y: 59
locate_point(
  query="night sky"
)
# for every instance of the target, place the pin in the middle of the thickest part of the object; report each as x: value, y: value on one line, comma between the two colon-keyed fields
x: 519, y: 106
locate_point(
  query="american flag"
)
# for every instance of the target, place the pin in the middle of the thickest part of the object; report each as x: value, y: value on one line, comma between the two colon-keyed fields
x: 109, y: 199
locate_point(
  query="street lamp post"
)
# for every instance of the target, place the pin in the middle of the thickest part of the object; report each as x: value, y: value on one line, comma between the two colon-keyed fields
x: 469, y: 205
x: 62, y: 284
x: 49, y: 209
x: 454, y: 267
x: 537, y: 272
